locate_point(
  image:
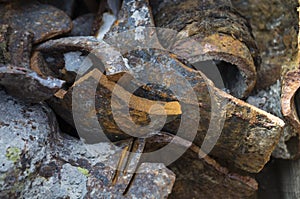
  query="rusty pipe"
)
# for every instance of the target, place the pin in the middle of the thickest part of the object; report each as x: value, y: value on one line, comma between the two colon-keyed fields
x: 225, y: 35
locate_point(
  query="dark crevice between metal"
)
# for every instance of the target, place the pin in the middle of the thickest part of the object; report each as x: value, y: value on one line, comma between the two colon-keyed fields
x: 66, y: 128
x: 224, y: 75
x: 297, y: 102
x: 293, y: 145
x: 232, y: 78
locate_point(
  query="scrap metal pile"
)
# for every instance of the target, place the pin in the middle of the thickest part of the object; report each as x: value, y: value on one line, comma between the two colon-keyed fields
x: 159, y: 90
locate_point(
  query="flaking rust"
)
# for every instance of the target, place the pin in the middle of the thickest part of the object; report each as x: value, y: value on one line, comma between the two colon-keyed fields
x: 202, y: 173
x: 15, y: 46
x: 247, y: 138
x: 15, y: 73
x: 44, y: 21
x: 27, y: 85
x: 140, y: 108
x: 244, y: 125
x: 290, y: 105
x: 224, y: 34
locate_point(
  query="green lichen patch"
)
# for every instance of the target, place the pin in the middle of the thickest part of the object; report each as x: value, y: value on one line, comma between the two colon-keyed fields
x: 13, y: 154
x: 83, y: 171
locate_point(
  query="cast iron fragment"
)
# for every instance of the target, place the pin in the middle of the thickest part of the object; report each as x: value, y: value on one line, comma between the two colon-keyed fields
x: 224, y: 33
x: 247, y: 139
x: 200, y: 177
x: 15, y: 46
x: 44, y: 21
x: 26, y: 84
x: 244, y: 125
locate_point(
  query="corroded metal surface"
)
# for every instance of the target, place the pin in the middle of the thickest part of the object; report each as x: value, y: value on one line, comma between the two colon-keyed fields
x: 44, y: 21
x: 290, y: 103
x: 290, y: 109
x: 240, y: 117
x: 224, y: 33
x: 137, y: 76
x: 27, y: 85
x: 204, y: 178
x: 15, y: 73
x: 139, y: 108
x: 15, y: 46
x: 245, y: 126
x: 111, y: 58
x: 275, y: 26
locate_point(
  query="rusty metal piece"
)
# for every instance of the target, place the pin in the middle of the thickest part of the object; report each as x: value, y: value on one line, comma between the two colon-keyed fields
x: 225, y: 35
x: 15, y: 46
x: 112, y: 59
x: 20, y: 44
x: 15, y: 73
x: 39, y: 65
x: 275, y: 26
x: 128, y: 164
x: 200, y: 177
x: 140, y: 108
x: 245, y: 126
x: 44, y: 21
x: 290, y: 103
x: 244, y: 129
x: 290, y: 109
x: 26, y: 84
x: 5, y: 31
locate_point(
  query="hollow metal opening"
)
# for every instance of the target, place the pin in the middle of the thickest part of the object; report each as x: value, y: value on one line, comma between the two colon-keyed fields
x: 225, y: 75
x: 293, y: 145
x: 297, y: 102
x: 232, y: 77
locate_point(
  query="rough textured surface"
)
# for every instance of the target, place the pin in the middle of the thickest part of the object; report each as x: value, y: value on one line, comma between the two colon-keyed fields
x: 248, y: 133
x: 277, y: 41
x: 38, y: 162
x: 240, y: 146
x: 139, y: 108
x: 15, y: 46
x: 72, y: 169
x: 201, y: 177
x: 15, y: 73
x: 24, y: 133
x: 44, y: 21
x: 253, y: 119
x: 28, y: 85
x: 108, y: 55
x: 275, y: 26
x: 269, y: 101
x: 224, y: 34
x: 290, y: 107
